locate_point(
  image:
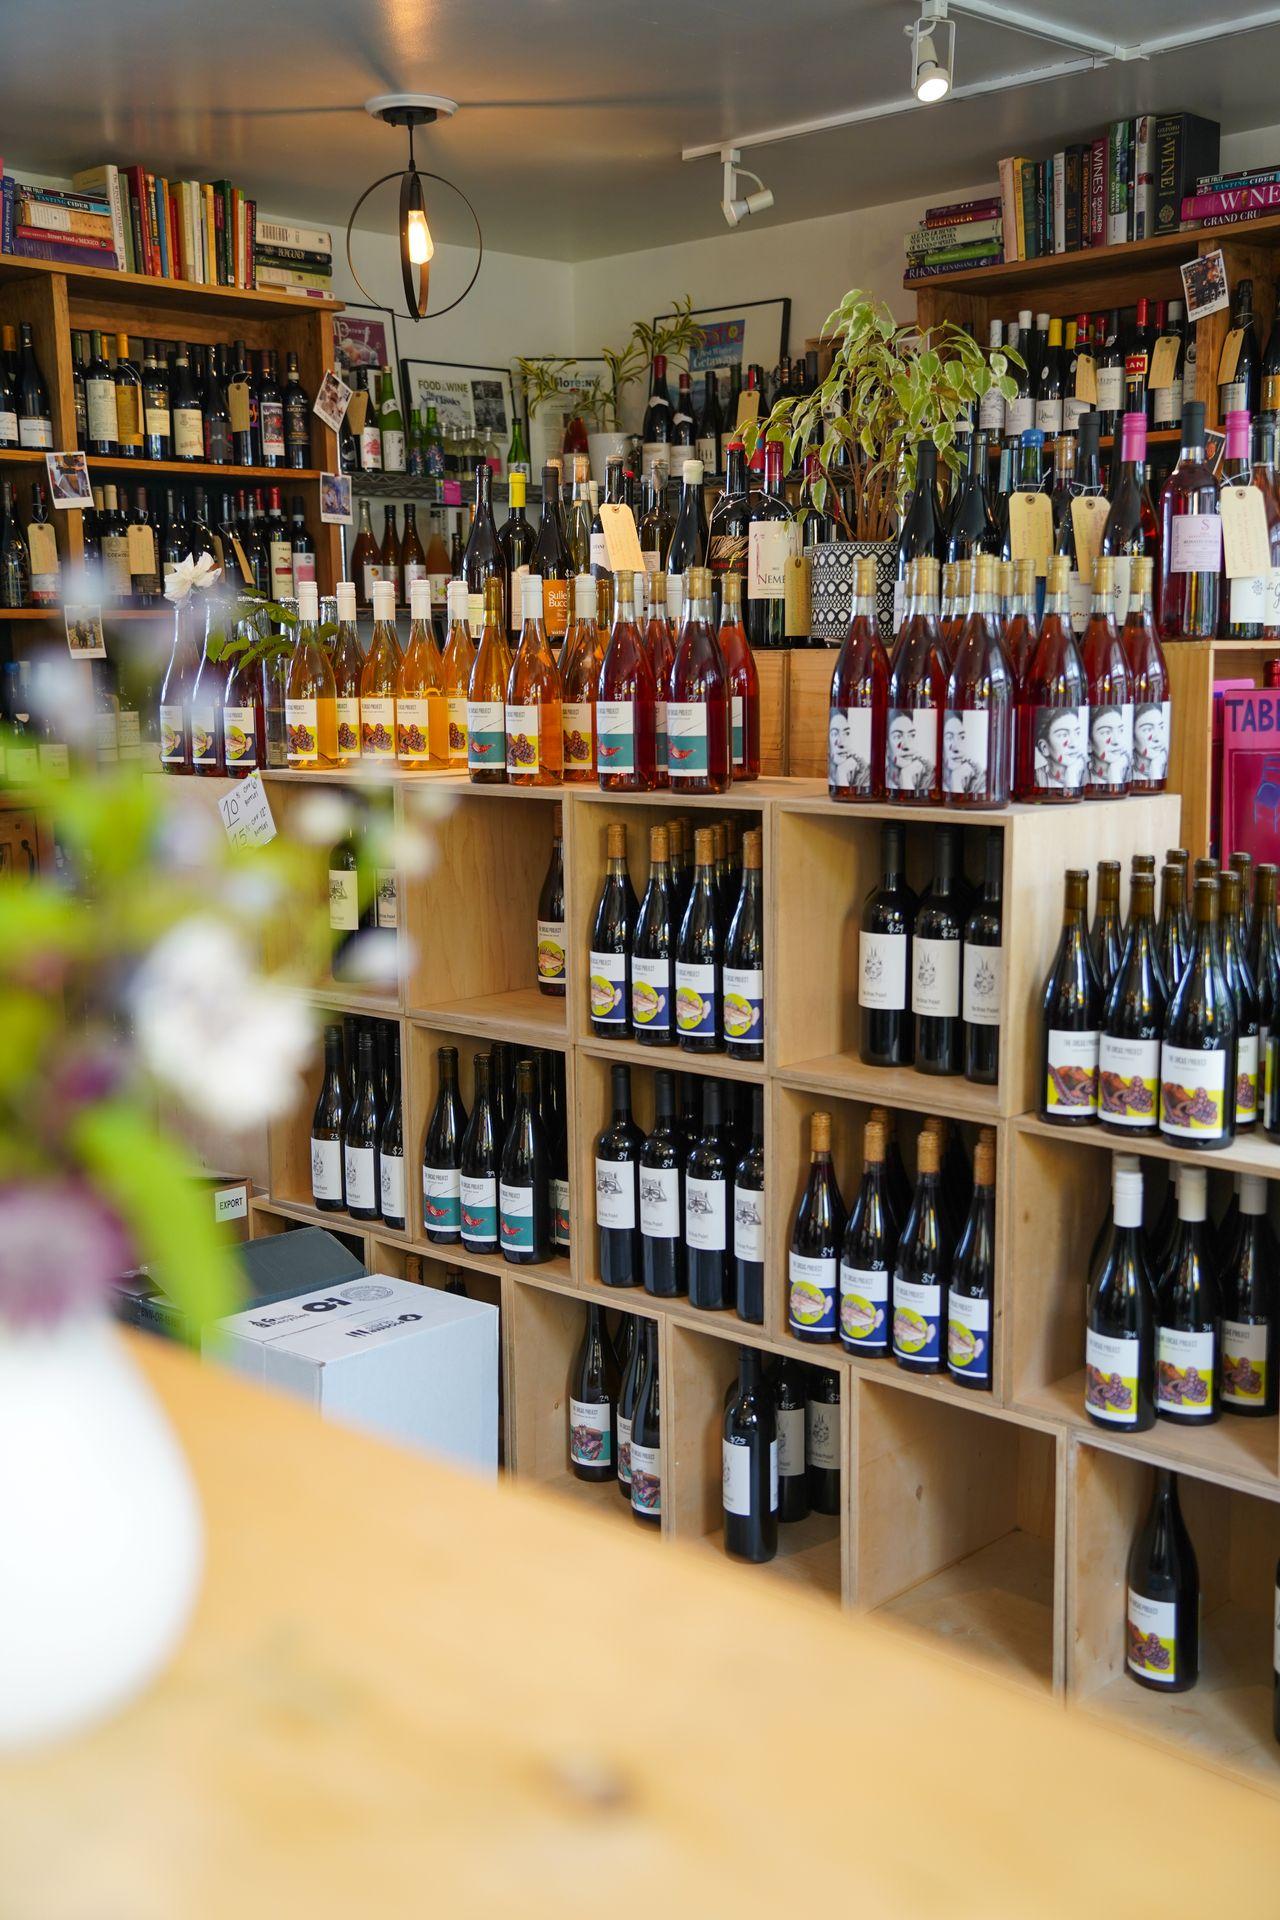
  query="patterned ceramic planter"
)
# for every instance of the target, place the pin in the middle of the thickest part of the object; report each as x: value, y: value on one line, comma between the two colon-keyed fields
x: 831, y: 584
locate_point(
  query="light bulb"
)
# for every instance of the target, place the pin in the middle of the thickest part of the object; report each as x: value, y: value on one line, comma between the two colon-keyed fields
x: 421, y: 245
x: 932, y: 83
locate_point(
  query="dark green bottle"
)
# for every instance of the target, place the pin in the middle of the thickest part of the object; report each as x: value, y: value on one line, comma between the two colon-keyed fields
x: 442, y: 1156
x: 1187, y: 1314
x: 816, y: 1235
x: 478, y: 1175
x: 744, y: 959
x: 1133, y: 1023
x: 1198, y: 1058
x: 700, y: 957
x: 653, y: 952
x: 610, y: 961
x: 1162, y: 1614
x: 1120, y: 1321
x: 524, y: 1211
x: 1071, y: 1016
x: 922, y: 1267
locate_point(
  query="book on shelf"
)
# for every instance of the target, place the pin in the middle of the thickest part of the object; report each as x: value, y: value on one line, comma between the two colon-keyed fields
x: 1263, y: 197
x: 1248, y: 177
x: 932, y: 269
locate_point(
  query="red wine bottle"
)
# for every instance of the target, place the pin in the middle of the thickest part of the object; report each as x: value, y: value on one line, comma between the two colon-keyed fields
x: 699, y: 714
x: 617, y: 1195
x: 1162, y: 1612
x: 977, y: 726
x: 1198, y: 1057
x: 749, y: 1459
x: 1071, y: 1014
x: 1132, y: 530
x: 884, y: 960
x: 1120, y: 1319
x: 859, y: 709
x: 593, y: 1403
x: 1149, y: 678
x: 972, y: 1288
x: 1053, y: 710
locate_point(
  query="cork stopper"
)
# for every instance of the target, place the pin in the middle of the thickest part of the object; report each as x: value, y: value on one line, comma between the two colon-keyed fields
x: 1059, y: 577
x: 752, y: 850
x: 929, y: 575
x: 1077, y: 889
x: 1108, y: 880
x: 881, y: 1117
x: 873, y: 1144
x: 948, y: 578
x: 658, y: 846
x: 718, y: 842
x: 657, y: 589
x: 984, y: 1159
x: 699, y: 583
x: 928, y: 1153
x: 703, y: 847
x: 616, y: 843
x: 985, y: 573
x: 1024, y: 577
x: 820, y: 1133
x: 864, y: 575
x: 624, y: 590
x: 1006, y: 579
x: 1141, y: 573
x: 964, y: 570
x: 731, y: 596
x: 1229, y: 881
x: 1104, y: 574
x: 675, y: 837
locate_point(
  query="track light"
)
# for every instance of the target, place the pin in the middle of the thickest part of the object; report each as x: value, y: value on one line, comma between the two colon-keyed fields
x: 736, y: 207
x: 933, y: 49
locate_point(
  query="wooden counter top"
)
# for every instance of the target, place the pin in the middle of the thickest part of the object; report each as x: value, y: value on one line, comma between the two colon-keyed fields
x: 407, y: 1694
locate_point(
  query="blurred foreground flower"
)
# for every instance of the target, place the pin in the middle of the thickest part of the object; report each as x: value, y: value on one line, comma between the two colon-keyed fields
x: 60, y: 1249
x: 231, y: 1044
x: 189, y: 574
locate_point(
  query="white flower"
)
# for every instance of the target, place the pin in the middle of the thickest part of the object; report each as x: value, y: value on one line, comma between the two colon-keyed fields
x: 321, y: 818
x: 188, y: 574
x: 229, y: 1043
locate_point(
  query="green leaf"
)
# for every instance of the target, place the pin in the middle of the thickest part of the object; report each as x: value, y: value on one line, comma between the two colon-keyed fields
x: 28, y: 1021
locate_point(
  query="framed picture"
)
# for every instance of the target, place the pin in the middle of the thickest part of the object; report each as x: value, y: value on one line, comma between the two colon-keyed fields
x: 575, y: 374
x: 365, y: 338
x: 750, y: 331
x: 476, y: 399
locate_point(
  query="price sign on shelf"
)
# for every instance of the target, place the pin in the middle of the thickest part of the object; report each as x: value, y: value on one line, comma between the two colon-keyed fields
x: 246, y: 813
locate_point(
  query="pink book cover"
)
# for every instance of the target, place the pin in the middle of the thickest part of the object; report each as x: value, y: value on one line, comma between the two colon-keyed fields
x: 1247, y: 783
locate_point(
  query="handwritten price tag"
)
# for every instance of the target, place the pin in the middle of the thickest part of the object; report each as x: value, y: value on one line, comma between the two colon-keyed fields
x: 1031, y: 529
x: 621, y: 538
x: 246, y: 813
x: 1088, y: 521
x: 1244, y: 533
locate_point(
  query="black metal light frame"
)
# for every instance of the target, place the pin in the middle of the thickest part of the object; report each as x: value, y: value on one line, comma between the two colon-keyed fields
x: 413, y: 200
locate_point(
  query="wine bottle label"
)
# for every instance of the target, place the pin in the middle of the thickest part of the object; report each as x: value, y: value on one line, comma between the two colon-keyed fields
x: 515, y: 1218
x: 1246, y: 1078
x: 515, y: 610
x: 1073, y: 411
x: 1019, y: 414
x: 822, y: 1438
x: 1110, y: 385
x: 660, y: 1202
x: 1129, y: 1082
x: 651, y: 994
x: 23, y: 763
x: 748, y: 1225
x: 616, y: 735
x: 157, y: 420
x: 391, y: 1175
x: 458, y: 730
x: 560, y: 1213
x: 1184, y: 1372
x: 173, y: 735
x: 983, y: 968
x: 646, y: 1478
x: 413, y: 731
x: 1167, y: 411
x: 555, y: 607
x: 188, y: 434
x: 791, y: 1448
x: 302, y: 728
x: 695, y: 999
x: 1195, y: 544
x: 129, y: 733
x: 770, y: 544
x: 326, y: 1170
x: 744, y: 1005
x: 1060, y: 756
x: 304, y: 569
x: 991, y: 411
x: 1271, y: 619
x: 478, y: 1209
x: 8, y: 428
x: 280, y: 559
x: 864, y: 1307
x: 608, y: 989
x: 935, y: 985
x: 524, y: 748
x: 441, y: 1199
x: 590, y: 1433
x: 1192, y: 1093
x: 486, y: 734
x: 812, y: 1282
x: 675, y: 598
x: 708, y: 453
x: 1110, y: 746
x: 1151, y: 1638
x: 911, y: 754
x: 36, y: 432
x: 579, y: 735
x: 392, y: 450
x: 624, y: 1450
x: 414, y: 570
x: 1071, y: 1079
x: 917, y: 1320
x: 616, y: 1194
x: 599, y: 553
x: 100, y: 404
x: 1244, y: 1363
x: 966, y: 753
x: 271, y: 426
x: 204, y: 735
x: 704, y: 1215
x: 1049, y: 416
x: 1232, y: 396
x: 1111, y: 1377
x: 386, y: 900
x: 362, y: 1178
x: 1248, y: 598
x: 344, y: 900
x: 687, y: 744
x: 662, y: 743
x: 105, y: 740
x: 735, y: 1458
x: 373, y: 572
x: 55, y: 760
x: 348, y: 726
x: 969, y: 1336
x: 1080, y: 600
x: 1121, y: 594
x: 739, y: 732
x: 882, y: 972
x: 378, y: 727
x: 371, y: 447
x: 240, y: 736
x: 656, y: 453
x: 551, y: 950
x: 849, y: 749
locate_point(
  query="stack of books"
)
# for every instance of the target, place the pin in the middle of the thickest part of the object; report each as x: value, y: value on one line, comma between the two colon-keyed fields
x: 297, y: 259
x: 1226, y: 199
x: 955, y: 238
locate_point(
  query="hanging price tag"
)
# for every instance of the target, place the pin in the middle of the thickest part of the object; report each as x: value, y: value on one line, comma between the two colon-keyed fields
x: 238, y: 406
x: 1244, y: 533
x: 1229, y: 356
x: 1164, y: 359
x: 246, y: 813
x: 621, y: 538
x: 242, y: 561
x: 142, y: 549
x: 1031, y: 529
x: 42, y: 545
x: 1088, y: 520
x: 357, y: 408
x: 1086, y: 379
x: 797, y: 596
x: 748, y: 408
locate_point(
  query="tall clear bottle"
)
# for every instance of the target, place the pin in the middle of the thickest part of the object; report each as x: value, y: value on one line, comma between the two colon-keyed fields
x: 487, y: 696
x: 534, y: 716
x: 699, y: 711
x: 311, y: 713
x: 422, y: 722
x: 626, y: 717
x: 580, y: 663
x: 379, y: 678
x: 1189, y: 599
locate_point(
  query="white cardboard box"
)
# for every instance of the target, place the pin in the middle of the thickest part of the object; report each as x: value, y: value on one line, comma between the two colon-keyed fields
x: 406, y: 1362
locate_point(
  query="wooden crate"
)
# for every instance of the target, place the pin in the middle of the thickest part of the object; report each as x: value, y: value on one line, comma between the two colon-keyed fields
x: 810, y: 704
x: 1195, y: 667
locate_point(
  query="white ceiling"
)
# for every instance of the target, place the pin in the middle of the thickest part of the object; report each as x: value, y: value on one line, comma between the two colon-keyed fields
x: 574, y: 112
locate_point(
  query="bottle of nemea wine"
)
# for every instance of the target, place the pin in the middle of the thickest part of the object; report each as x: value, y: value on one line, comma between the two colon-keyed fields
x: 815, y: 1242
x: 1162, y: 1619
x: 593, y: 1403
x: 1133, y: 1022
x: 749, y: 1450
x: 1120, y: 1321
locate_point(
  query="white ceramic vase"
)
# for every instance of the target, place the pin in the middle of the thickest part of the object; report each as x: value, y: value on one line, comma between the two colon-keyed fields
x: 101, y: 1544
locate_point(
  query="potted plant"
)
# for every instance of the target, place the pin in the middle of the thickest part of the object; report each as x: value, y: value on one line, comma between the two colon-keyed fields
x: 888, y: 387
x: 600, y: 401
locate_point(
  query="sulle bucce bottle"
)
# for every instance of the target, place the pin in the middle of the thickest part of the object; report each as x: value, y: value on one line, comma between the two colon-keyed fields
x: 1071, y: 1016
x: 593, y: 1403
x: 917, y: 695
x: 748, y: 1219
x: 1120, y: 1319
x: 867, y: 1253
x: 699, y: 713
x: 1110, y: 744
x: 816, y: 1237
x: 749, y: 1463
x: 884, y: 960
x: 1162, y: 1609
x: 1133, y: 1017
x: 744, y: 682
x: 859, y: 708
x: 617, y: 1195
x: 626, y: 717
x: 551, y: 930
x: 1198, y: 1057
x: 1189, y: 600
x: 1053, y: 709
x: 977, y: 726
x: 922, y: 1266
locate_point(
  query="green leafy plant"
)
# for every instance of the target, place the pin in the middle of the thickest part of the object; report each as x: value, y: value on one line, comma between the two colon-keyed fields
x: 601, y: 401
x: 888, y: 387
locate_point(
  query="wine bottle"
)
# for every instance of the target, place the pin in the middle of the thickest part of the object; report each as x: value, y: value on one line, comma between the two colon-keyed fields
x: 1132, y: 530
x: 859, y: 709
x: 729, y: 526
x: 972, y: 1288
x: 977, y: 727
x: 552, y: 1065
x: 1053, y: 704
x: 617, y: 1209
x: 706, y: 1210
x: 748, y: 1219
x: 327, y: 1190
x: 923, y: 536
x: 1149, y: 679
x: 534, y: 707
x: 379, y: 678
x: 699, y: 720
x: 657, y: 432
x: 593, y: 1403
x: 646, y: 1432
x: 699, y: 958
x: 478, y: 1167
x: 983, y: 967
x: 922, y: 1266
x: 816, y: 1236
x: 661, y: 1179
x: 918, y: 676
x: 1187, y: 1313
x: 551, y: 932
x: 1242, y: 863
x: 611, y: 938
x: 1247, y: 1352
x: 310, y: 708
x: 688, y: 545
x: 866, y: 1256
x: 1120, y: 1321
x: 391, y: 1143
x: 773, y: 536
x: 442, y: 1156
x: 1071, y: 1009
x: 744, y: 680
x: 1162, y: 1614
x: 422, y: 721
x: 1198, y: 1057
x: 1264, y: 960
x: 653, y: 951
x: 884, y: 960
x: 361, y: 1137
x: 459, y: 659
x: 1110, y: 694
x: 822, y: 1441
x: 626, y: 703
x: 524, y: 1211
x: 1172, y: 944
x: 1106, y: 939
x: 626, y: 1406
x: 1239, y: 978
x: 787, y: 1382
x: 1133, y: 1013
x: 552, y: 560
x: 972, y: 528
x: 1190, y: 539
x: 580, y: 664
x: 487, y: 696
x: 744, y: 959
x: 935, y: 954
x: 749, y: 1453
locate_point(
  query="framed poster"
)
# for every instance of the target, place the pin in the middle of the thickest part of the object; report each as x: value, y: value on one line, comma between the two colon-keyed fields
x: 364, y: 338
x: 738, y: 335
x: 476, y: 400
x: 575, y: 375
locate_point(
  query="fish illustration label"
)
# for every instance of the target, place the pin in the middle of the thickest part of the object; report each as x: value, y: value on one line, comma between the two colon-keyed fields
x: 1184, y: 1372
x: 1192, y: 1093
x: 441, y: 1199
x: 515, y: 1218
x: 616, y: 1194
x: 983, y: 979
x: 486, y: 735
x: 864, y: 1308
x: 478, y: 1209
x: 882, y: 972
x: 744, y: 1005
x: 917, y: 1320
x: 616, y: 735
x: 1152, y: 1638
x: 326, y: 1170
x: 739, y: 748
x: 378, y: 727
x: 550, y: 950
x: 660, y: 1202
x: 590, y: 1434
x: 969, y: 1336
x: 687, y: 748
x: 1244, y: 1363
x: 362, y: 1183
x: 1129, y: 1082
x: 609, y: 989
x: 391, y: 1182
x: 1071, y: 1079
x: 1111, y: 1377
x: 651, y: 994
x: 935, y: 984
x: 812, y: 1291
x: 695, y: 999
x: 748, y: 1225
x: 302, y: 731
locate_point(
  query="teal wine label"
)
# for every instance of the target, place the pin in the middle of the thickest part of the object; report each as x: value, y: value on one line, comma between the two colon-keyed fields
x: 516, y: 1204
x: 616, y: 736
x: 486, y: 735
x: 441, y: 1199
x: 687, y: 751
x: 479, y: 1210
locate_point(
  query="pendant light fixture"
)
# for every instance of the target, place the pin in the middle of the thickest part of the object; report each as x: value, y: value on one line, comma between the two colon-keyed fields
x: 417, y: 245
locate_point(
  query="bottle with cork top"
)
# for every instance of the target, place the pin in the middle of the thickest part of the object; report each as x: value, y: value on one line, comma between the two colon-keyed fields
x: 626, y: 716
x: 816, y: 1236
x: 535, y: 733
